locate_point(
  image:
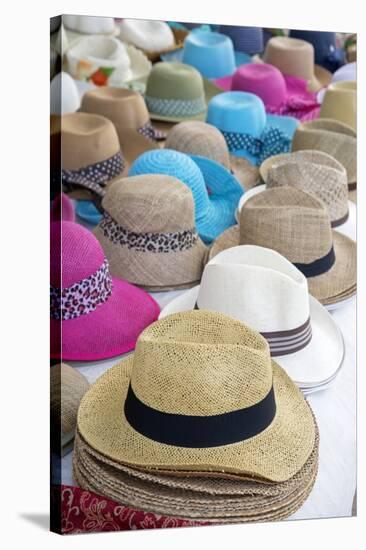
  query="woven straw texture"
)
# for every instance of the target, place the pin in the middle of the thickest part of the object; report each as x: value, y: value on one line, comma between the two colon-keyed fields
x: 200, y: 363
x: 67, y: 389
x: 332, y: 137
x: 316, y: 173
x: 152, y: 204
x: 296, y: 225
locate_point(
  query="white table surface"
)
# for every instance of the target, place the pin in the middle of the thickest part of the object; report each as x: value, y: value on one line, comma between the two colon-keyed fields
x: 335, y: 411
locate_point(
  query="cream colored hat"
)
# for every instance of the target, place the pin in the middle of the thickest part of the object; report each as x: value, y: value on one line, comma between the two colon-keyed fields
x: 148, y: 233
x: 340, y: 103
x: 297, y: 225
x: 314, y: 172
x: 67, y: 388
x: 91, y: 156
x: 148, y: 35
x: 295, y: 57
x: 261, y: 288
x: 332, y: 137
x: 195, y: 137
x: 200, y: 393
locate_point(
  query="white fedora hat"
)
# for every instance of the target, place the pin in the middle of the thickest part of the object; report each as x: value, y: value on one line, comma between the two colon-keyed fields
x: 261, y: 288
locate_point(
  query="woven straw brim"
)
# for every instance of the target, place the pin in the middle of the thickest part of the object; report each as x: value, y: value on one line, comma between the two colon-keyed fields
x: 352, y: 195
x: 134, y: 144
x: 153, y: 271
x: 330, y: 287
x: 174, y: 496
x: 85, y: 195
x: 246, y: 173
x: 322, y: 78
x: 277, y: 453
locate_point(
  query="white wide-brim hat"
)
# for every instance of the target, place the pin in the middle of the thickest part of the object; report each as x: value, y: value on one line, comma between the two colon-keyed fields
x: 318, y: 362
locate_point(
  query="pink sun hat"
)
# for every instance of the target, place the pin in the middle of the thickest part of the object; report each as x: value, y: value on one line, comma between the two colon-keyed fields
x: 93, y: 315
x: 281, y: 94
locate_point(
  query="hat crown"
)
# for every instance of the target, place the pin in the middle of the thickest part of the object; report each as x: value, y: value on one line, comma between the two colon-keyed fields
x: 75, y: 254
x: 245, y: 39
x: 257, y: 286
x: 152, y: 36
x: 89, y: 24
x: 87, y: 139
x: 103, y: 49
x: 123, y: 107
x: 261, y: 79
x: 288, y: 220
x: 200, y: 363
x: 174, y: 81
x: 150, y: 203
x: 199, y: 138
x: 291, y: 56
x: 211, y: 53
x: 178, y: 165
x: 240, y: 112
x: 340, y: 102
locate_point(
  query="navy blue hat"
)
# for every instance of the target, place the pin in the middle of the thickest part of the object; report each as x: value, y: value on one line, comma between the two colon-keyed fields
x: 245, y: 39
x: 326, y: 53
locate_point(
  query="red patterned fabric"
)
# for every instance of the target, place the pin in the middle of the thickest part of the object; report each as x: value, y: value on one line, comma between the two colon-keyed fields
x: 86, y: 512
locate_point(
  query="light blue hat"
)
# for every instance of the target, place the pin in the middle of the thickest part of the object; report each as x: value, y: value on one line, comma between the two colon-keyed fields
x: 88, y: 212
x: 250, y: 132
x: 211, y: 53
x: 245, y: 39
x: 216, y: 192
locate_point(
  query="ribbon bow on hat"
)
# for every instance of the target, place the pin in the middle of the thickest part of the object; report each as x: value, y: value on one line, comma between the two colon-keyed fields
x: 273, y: 141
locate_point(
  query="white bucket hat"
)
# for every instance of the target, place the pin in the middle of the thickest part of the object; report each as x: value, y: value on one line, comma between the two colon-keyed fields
x: 261, y: 288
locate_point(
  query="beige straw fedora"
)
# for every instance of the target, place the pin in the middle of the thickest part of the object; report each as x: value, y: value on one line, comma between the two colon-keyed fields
x: 297, y: 225
x: 340, y: 103
x: 91, y: 155
x: 67, y: 389
x: 195, y: 137
x: 200, y: 393
x: 148, y: 233
x: 295, y: 57
x: 128, y: 112
x: 312, y: 171
x: 332, y: 137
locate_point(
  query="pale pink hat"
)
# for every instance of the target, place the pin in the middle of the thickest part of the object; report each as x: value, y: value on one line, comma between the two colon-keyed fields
x: 62, y: 209
x: 281, y: 94
x: 93, y: 315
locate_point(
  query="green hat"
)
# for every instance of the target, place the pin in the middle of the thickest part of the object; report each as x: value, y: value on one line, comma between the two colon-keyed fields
x: 177, y: 92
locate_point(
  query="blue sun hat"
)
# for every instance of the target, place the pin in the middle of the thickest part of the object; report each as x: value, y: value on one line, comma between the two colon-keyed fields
x: 88, y: 212
x: 216, y: 192
x: 250, y: 132
x: 211, y: 53
x: 245, y: 39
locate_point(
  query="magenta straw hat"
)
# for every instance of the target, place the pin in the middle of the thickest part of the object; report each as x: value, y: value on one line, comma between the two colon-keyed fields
x: 93, y: 315
x: 281, y: 94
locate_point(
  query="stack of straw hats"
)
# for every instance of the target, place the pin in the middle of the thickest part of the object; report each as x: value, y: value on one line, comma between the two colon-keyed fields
x: 199, y: 424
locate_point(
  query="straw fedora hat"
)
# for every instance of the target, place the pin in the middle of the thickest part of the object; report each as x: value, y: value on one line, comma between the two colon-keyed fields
x: 128, y: 112
x: 200, y: 394
x: 91, y: 154
x: 216, y: 192
x: 93, y: 315
x: 238, y: 501
x: 315, y: 172
x: 297, y: 225
x: 295, y: 57
x: 176, y: 92
x: 148, y: 233
x: 261, y: 288
x: 248, y: 130
x: 67, y: 389
x: 194, y: 137
x: 340, y: 103
x: 332, y: 137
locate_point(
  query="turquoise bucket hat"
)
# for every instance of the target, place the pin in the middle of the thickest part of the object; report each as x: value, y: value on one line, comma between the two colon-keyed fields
x: 88, y: 212
x: 211, y: 53
x: 248, y: 130
x: 216, y: 192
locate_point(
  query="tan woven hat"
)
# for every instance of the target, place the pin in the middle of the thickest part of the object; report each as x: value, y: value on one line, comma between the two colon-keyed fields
x: 295, y: 57
x: 199, y: 138
x: 332, y: 137
x: 200, y: 393
x: 67, y: 388
x: 313, y: 171
x: 148, y: 233
x: 91, y: 155
x: 297, y: 225
x: 340, y: 103
x: 128, y: 112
